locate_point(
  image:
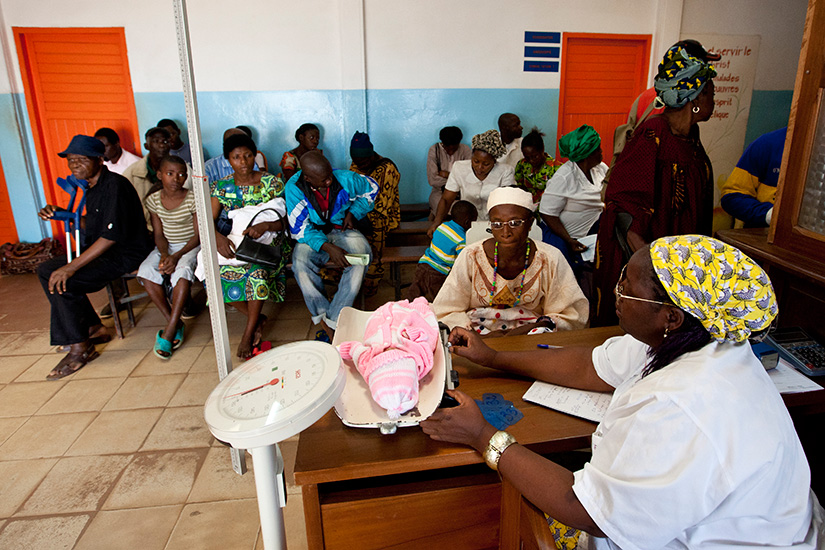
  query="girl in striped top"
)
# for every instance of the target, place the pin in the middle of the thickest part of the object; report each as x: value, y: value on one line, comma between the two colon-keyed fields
x: 175, y: 225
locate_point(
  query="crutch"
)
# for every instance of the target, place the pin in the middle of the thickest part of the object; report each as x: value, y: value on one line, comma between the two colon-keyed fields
x: 71, y: 216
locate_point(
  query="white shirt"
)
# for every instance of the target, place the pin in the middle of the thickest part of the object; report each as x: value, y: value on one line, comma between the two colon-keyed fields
x: 512, y: 154
x: 700, y: 454
x: 463, y: 181
x: 571, y: 197
x: 126, y: 159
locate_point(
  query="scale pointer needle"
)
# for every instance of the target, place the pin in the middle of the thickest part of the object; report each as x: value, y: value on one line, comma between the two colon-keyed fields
x: 270, y: 383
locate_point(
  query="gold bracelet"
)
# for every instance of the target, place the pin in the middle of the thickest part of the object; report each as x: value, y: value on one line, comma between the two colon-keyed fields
x: 497, y: 445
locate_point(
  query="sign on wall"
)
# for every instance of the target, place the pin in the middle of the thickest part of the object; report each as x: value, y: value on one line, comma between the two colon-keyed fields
x: 538, y: 55
x: 723, y: 136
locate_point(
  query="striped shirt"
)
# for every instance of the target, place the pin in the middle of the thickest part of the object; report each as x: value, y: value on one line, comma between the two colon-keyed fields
x: 448, y: 241
x: 178, y: 226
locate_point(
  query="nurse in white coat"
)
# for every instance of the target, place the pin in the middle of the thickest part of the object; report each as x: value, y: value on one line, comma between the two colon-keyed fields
x: 697, y: 449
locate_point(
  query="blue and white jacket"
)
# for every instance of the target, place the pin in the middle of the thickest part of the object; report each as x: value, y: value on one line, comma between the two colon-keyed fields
x: 349, y: 192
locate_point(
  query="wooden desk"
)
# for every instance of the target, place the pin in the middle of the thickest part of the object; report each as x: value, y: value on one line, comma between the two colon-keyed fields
x: 364, y: 490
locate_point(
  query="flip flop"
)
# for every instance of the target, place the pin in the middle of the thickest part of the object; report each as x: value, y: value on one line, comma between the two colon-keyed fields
x: 72, y: 363
x: 178, y: 340
x: 266, y: 345
x: 322, y: 336
x: 163, y: 347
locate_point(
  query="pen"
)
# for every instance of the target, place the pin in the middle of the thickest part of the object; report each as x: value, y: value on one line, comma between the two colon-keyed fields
x: 543, y: 346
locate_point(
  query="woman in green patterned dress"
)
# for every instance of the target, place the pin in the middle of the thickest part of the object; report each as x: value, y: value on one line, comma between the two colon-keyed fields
x: 248, y: 285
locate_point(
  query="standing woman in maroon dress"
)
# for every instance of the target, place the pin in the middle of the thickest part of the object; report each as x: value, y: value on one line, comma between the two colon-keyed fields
x: 662, y: 184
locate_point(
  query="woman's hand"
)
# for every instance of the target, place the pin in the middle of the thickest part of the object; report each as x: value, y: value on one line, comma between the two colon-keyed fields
x: 225, y: 247
x: 467, y: 343
x: 463, y: 424
x: 58, y: 278
x: 257, y: 230
x: 576, y: 246
x: 432, y: 229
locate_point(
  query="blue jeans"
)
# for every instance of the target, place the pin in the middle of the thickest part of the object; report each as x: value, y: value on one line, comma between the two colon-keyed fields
x: 306, y: 265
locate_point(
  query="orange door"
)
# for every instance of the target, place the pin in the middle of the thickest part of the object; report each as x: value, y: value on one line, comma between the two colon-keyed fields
x: 8, y: 230
x: 601, y: 76
x: 76, y: 80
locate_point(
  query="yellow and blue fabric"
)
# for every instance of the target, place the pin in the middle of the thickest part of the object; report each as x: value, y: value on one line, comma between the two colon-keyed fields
x: 750, y: 190
x: 448, y: 240
x: 681, y: 77
x: 565, y: 537
x: 716, y: 283
x: 580, y: 143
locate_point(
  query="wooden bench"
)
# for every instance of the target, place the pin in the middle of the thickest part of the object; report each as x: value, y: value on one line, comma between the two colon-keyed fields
x: 409, y: 233
x: 410, y: 212
x: 397, y: 255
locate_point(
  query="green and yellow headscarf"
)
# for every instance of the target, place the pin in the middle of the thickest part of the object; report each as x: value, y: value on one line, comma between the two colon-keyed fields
x: 580, y: 143
x: 716, y: 283
x: 681, y: 77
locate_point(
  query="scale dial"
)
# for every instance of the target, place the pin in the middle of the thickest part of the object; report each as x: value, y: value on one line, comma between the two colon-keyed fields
x: 275, y: 395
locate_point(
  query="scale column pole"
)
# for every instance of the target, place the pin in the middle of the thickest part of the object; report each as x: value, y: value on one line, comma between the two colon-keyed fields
x: 269, y: 469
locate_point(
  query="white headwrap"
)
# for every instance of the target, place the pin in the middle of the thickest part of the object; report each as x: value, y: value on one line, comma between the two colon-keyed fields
x: 510, y: 195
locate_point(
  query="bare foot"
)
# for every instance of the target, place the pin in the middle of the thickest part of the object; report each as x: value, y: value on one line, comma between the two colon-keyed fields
x: 245, y: 347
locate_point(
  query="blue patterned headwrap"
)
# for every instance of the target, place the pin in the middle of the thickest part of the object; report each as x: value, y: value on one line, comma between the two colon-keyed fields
x: 681, y: 77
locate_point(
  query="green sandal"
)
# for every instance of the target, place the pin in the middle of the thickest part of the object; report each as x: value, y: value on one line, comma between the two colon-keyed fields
x: 178, y: 340
x: 163, y: 347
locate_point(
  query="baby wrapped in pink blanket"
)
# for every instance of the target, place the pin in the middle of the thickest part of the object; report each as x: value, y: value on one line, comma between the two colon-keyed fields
x: 397, y: 351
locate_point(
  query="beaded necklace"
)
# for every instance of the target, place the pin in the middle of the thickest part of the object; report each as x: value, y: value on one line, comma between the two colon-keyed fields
x: 495, y: 273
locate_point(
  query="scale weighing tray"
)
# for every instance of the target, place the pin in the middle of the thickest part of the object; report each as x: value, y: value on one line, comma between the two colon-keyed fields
x: 356, y: 407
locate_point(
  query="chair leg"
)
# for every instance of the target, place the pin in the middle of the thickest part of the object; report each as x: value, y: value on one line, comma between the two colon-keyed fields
x: 128, y: 303
x: 115, y: 312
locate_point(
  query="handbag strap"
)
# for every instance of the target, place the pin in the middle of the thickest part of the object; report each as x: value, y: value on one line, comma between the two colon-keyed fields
x: 280, y: 216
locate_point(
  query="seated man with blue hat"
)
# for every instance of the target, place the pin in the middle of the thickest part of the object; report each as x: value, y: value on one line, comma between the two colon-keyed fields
x: 115, y: 241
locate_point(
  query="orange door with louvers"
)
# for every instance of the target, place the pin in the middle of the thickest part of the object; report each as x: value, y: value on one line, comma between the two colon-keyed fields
x: 601, y: 76
x: 76, y: 80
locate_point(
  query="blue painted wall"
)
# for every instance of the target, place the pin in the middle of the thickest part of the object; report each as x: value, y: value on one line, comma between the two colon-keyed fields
x: 402, y: 124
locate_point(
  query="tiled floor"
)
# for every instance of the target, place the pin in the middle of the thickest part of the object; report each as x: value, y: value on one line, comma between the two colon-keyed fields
x: 118, y: 456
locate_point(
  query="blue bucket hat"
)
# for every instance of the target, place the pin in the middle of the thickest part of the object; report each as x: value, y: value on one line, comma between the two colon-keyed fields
x: 84, y: 145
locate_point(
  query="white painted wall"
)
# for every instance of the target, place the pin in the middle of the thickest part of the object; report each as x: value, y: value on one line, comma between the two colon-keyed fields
x: 779, y: 22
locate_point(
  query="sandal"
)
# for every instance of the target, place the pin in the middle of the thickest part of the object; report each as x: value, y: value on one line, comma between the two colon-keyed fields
x: 322, y: 336
x: 163, y: 347
x: 72, y: 363
x: 178, y: 339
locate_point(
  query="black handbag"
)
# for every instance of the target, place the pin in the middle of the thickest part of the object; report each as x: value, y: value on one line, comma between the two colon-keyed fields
x: 267, y: 255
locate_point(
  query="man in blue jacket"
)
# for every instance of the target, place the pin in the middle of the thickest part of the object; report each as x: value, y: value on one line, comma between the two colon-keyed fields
x: 323, y: 207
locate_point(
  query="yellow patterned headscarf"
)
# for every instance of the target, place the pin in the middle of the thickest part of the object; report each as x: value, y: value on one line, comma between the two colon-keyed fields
x: 716, y: 283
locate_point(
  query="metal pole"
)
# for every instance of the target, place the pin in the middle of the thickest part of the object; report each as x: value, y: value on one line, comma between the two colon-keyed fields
x: 206, y: 228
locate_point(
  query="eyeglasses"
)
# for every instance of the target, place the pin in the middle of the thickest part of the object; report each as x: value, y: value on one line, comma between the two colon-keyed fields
x: 512, y: 223
x: 619, y: 291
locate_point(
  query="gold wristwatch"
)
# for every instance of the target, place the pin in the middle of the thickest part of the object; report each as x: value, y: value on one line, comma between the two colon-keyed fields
x: 497, y: 445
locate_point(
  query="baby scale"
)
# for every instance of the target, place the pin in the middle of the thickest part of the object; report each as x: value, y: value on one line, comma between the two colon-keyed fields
x: 356, y: 407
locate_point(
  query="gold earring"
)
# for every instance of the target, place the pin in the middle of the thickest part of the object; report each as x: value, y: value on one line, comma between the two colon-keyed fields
x: 667, y: 331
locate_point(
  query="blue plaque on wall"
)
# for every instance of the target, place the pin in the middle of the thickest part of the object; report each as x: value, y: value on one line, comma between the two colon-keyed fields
x: 538, y: 36
x: 541, y: 66
x: 542, y: 51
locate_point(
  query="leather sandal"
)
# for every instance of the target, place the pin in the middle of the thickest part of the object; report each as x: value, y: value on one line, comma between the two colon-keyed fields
x: 72, y: 363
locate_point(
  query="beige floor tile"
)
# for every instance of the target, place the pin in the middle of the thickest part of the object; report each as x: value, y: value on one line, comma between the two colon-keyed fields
x: 156, y: 479
x: 288, y: 330
x: 12, y: 367
x: 76, y: 484
x: 29, y: 343
x: 195, y: 389
x: 216, y: 526
x: 45, y: 436
x: 143, y: 528
x: 82, y: 395
x: 139, y: 338
x: 180, y: 363
x: 116, y: 432
x: 112, y: 364
x: 207, y: 362
x: 294, y: 525
x: 218, y: 481
x: 43, y: 533
x: 145, y: 392
x: 7, y: 338
x: 18, y: 479
x: 23, y: 399
x: 179, y: 428
x: 10, y: 425
x: 290, y: 310
x: 150, y: 317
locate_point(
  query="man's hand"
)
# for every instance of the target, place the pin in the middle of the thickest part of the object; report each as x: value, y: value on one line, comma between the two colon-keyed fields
x: 47, y: 212
x: 349, y: 222
x: 337, y: 255
x: 168, y: 264
x: 225, y: 247
x: 467, y: 343
x: 57, y: 281
x: 576, y: 246
x: 463, y: 424
x: 444, y: 174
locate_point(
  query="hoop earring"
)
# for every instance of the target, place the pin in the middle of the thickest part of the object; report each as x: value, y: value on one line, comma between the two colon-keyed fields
x: 695, y: 109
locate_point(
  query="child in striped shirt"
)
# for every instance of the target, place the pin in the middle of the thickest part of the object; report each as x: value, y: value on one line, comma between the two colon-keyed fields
x: 438, y: 259
x: 175, y: 224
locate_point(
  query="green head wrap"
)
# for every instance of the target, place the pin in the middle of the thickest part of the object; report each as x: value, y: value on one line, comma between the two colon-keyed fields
x: 580, y: 143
